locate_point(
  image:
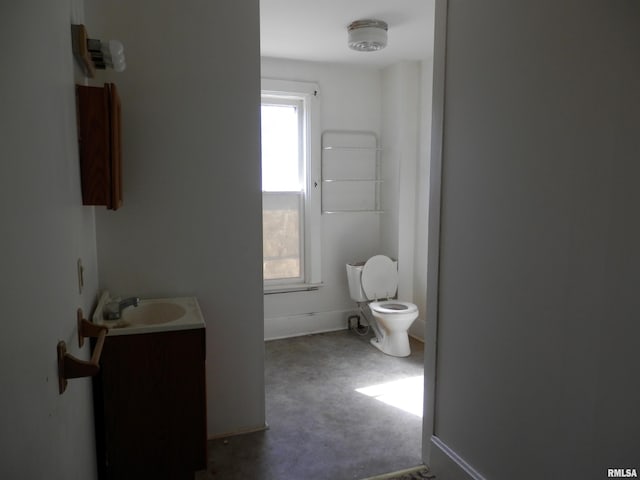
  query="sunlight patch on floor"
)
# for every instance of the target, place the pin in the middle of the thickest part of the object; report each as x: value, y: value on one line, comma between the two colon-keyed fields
x: 405, y: 394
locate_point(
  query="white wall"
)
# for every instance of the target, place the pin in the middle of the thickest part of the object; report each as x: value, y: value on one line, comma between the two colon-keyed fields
x: 399, y: 156
x: 45, y: 230
x: 191, y: 220
x: 350, y: 99
x: 537, y: 365
x: 421, y: 229
x: 406, y: 101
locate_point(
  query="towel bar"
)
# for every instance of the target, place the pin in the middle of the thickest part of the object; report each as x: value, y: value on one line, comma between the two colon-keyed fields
x: 72, y: 367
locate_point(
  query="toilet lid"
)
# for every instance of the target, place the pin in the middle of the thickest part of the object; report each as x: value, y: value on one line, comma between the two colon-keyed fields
x: 379, y: 278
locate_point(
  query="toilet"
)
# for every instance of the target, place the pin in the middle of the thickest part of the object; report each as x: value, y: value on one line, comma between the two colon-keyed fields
x: 375, y: 283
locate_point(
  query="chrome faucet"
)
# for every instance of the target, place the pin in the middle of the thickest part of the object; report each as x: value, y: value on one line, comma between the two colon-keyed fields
x: 113, y: 310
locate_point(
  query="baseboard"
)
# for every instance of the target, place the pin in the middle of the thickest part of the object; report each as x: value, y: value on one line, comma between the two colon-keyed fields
x: 276, y: 328
x: 398, y: 474
x: 445, y: 463
x: 305, y: 324
x: 239, y: 432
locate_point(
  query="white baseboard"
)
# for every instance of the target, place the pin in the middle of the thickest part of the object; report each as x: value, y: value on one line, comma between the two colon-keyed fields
x: 305, y: 324
x: 276, y: 328
x: 445, y: 463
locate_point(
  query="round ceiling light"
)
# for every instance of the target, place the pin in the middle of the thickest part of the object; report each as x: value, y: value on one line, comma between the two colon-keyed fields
x: 367, y: 35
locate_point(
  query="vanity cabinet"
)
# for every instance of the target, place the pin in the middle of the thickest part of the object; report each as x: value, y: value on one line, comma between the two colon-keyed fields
x: 150, y: 406
x: 99, y: 141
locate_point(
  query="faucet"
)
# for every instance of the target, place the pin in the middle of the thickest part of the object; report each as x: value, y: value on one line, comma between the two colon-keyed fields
x: 113, y: 310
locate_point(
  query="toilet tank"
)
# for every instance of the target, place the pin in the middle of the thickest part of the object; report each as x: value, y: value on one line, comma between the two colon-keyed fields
x: 354, y: 274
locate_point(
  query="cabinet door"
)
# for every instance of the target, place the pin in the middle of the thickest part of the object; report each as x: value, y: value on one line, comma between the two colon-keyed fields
x: 152, y: 406
x: 99, y: 140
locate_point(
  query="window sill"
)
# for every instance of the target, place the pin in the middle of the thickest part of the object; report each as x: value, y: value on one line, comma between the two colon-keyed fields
x: 290, y: 288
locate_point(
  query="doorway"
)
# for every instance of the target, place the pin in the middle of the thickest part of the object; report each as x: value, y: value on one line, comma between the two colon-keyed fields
x: 358, y: 237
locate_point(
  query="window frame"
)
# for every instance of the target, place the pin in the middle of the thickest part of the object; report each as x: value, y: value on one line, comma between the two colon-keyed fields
x: 311, y: 233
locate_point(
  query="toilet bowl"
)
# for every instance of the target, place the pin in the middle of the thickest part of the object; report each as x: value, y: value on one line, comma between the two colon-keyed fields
x: 373, y: 284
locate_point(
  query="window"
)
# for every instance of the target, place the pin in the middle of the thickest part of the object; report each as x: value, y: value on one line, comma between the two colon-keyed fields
x: 290, y: 186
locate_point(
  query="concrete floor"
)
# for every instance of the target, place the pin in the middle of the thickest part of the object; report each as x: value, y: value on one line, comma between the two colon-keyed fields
x: 320, y: 427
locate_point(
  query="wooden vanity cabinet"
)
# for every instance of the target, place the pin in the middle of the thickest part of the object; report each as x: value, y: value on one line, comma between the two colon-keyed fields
x: 99, y: 140
x: 150, y: 406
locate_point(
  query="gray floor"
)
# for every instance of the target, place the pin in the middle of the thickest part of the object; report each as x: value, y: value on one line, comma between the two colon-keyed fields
x: 320, y: 428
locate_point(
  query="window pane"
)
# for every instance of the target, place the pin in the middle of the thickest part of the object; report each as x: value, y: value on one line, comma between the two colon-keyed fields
x: 281, y: 221
x: 280, y: 148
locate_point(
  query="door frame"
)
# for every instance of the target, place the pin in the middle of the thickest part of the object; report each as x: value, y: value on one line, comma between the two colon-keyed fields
x: 429, y: 427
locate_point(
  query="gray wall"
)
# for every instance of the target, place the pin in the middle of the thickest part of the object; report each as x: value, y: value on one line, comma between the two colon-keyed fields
x: 537, y: 348
x: 191, y: 220
x: 45, y: 230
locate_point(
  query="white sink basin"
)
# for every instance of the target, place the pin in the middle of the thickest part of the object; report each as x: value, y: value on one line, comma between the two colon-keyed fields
x: 152, y: 315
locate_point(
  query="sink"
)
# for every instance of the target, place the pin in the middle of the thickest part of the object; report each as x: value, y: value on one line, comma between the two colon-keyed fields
x: 152, y: 315
x: 147, y: 313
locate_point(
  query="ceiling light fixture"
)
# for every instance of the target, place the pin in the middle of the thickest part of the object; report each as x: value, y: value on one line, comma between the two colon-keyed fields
x: 367, y: 35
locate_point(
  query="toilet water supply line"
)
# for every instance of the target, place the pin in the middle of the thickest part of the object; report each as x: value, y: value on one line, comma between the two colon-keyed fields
x: 360, y: 329
x: 364, y: 306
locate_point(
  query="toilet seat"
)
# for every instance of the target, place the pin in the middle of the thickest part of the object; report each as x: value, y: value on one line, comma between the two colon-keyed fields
x: 379, y: 278
x: 393, y: 307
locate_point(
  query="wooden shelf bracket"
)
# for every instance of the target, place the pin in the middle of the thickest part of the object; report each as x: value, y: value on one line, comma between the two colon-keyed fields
x: 72, y: 367
x: 79, y: 39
